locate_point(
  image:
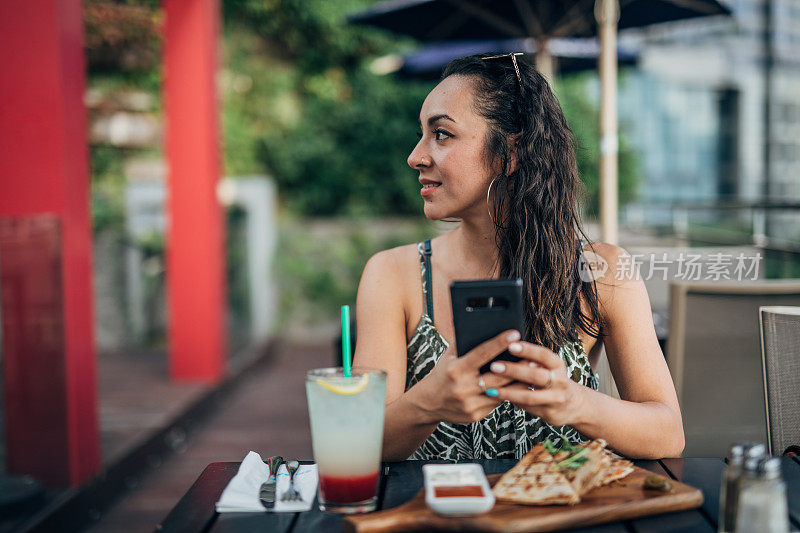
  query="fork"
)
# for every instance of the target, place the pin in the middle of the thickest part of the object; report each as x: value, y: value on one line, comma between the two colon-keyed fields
x: 291, y: 495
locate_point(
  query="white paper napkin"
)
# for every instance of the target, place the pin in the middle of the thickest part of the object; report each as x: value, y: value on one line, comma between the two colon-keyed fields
x: 241, y: 494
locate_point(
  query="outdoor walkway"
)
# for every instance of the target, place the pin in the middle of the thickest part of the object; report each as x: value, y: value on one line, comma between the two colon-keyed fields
x: 267, y: 413
x: 137, y: 397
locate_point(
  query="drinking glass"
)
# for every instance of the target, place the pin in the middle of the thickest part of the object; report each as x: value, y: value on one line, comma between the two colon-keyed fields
x: 346, y: 415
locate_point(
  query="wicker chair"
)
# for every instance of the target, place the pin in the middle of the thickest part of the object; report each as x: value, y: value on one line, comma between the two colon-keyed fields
x: 713, y: 355
x: 780, y: 356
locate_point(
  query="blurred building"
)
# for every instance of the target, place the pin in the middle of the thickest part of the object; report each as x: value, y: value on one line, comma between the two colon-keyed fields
x: 696, y: 110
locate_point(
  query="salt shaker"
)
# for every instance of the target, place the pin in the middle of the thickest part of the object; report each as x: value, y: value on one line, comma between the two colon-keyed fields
x: 762, y: 499
x: 731, y: 480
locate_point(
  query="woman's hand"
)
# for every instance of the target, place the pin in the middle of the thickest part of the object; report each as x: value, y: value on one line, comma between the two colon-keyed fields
x: 541, y: 385
x: 453, y: 391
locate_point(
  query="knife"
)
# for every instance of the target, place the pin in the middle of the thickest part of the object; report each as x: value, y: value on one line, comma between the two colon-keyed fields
x: 267, y: 492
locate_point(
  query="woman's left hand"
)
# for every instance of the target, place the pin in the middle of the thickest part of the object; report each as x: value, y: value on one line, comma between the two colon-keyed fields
x: 541, y: 385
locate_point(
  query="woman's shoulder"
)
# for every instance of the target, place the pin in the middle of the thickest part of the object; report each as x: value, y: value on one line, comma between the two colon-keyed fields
x: 610, y: 267
x: 394, y: 260
x: 397, y: 267
x: 611, y: 253
x: 391, y: 276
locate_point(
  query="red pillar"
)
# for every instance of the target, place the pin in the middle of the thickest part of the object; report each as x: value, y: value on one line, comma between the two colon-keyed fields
x: 46, y: 257
x: 195, y: 237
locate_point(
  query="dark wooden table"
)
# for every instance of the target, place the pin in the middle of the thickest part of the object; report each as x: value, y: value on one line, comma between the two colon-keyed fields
x: 401, y: 482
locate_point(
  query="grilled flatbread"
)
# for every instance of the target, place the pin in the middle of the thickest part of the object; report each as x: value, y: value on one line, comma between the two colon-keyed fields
x: 590, y: 473
x: 560, y: 456
x: 618, y: 469
x: 535, y: 480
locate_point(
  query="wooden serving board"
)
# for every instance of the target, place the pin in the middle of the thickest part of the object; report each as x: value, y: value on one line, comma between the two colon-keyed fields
x: 621, y: 500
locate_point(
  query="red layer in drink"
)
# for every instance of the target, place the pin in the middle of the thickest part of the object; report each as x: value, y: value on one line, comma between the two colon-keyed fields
x: 348, y: 489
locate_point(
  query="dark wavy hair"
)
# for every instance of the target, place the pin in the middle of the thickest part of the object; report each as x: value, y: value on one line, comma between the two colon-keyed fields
x: 534, y: 207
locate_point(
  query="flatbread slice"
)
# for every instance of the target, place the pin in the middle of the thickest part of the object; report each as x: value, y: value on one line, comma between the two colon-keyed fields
x: 590, y: 473
x: 618, y: 469
x: 535, y: 480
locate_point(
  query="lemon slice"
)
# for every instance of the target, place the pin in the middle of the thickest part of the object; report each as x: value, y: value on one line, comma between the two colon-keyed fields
x: 347, y: 386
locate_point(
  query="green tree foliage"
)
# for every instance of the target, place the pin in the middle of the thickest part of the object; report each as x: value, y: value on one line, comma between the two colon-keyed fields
x: 334, y: 135
x: 122, y: 37
x: 350, y: 151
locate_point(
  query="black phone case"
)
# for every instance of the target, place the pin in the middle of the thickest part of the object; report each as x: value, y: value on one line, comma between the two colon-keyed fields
x: 483, y: 309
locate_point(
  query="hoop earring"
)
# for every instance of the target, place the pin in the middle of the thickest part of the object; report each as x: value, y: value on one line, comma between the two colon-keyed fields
x: 488, y: 208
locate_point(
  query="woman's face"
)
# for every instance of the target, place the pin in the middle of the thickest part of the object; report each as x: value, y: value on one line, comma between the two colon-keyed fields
x: 450, y: 154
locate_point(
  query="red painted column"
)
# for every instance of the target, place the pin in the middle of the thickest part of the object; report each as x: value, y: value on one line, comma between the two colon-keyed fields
x: 195, y: 236
x: 48, y: 352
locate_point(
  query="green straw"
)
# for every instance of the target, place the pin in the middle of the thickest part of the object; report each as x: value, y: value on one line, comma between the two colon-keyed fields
x: 346, y: 340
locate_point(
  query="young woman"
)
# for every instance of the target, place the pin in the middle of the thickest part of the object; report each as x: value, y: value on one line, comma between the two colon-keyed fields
x: 495, y: 152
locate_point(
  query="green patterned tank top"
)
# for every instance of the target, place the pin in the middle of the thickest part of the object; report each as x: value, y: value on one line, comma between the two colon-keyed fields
x: 506, y: 432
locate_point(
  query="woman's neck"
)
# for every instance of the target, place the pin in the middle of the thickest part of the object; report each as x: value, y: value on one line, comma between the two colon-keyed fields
x: 475, y: 245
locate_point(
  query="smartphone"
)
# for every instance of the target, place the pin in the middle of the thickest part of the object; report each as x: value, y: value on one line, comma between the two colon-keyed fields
x: 483, y: 309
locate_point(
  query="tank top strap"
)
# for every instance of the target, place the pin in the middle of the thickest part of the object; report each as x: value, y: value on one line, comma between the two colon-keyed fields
x: 425, y: 270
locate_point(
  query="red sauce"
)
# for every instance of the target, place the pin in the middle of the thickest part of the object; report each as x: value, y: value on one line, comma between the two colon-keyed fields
x: 458, y: 491
x: 348, y: 489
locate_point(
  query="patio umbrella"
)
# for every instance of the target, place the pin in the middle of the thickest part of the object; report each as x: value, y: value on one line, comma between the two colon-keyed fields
x: 542, y: 20
x: 572, y: 55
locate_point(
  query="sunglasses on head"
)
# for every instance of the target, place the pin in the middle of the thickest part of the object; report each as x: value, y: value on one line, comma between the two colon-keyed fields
x: 513, y: 56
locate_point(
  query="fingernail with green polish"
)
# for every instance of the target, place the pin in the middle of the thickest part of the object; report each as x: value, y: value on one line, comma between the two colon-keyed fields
x: 492, y: 392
